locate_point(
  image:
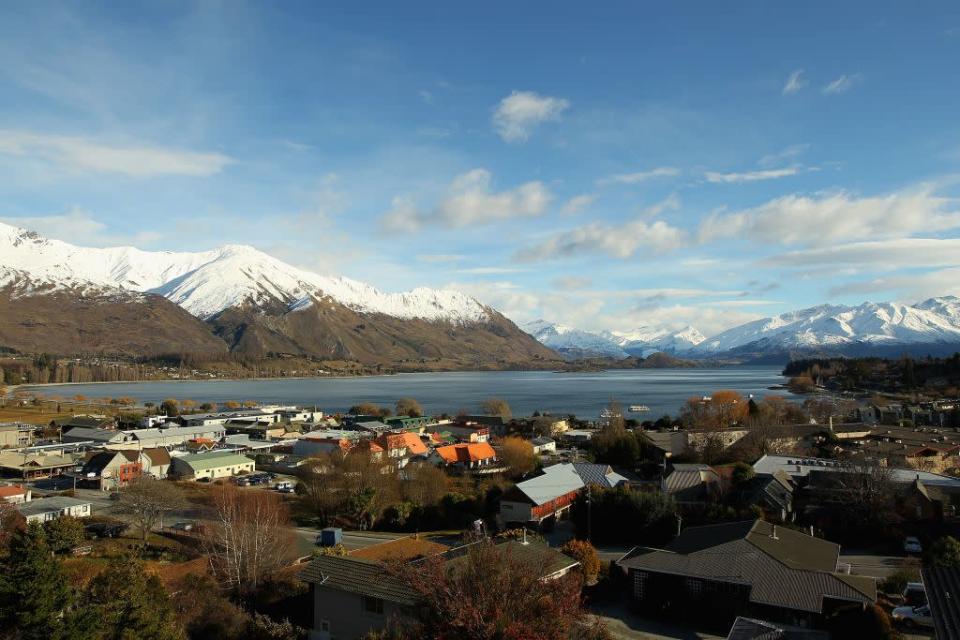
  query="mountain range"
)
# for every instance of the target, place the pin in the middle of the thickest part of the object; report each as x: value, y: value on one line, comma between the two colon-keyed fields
x: 872, y: 328
x: 60, y: 298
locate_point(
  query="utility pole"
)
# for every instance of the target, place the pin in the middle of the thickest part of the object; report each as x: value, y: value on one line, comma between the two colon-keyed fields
x: 589, y: 514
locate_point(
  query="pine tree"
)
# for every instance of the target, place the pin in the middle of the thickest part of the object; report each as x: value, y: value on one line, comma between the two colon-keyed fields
x: 123, y: 602
x: 33, y: 589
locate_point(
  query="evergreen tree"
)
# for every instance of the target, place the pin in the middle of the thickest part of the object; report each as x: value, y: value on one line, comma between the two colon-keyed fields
x: 123, y: 602
x: 33, y: 589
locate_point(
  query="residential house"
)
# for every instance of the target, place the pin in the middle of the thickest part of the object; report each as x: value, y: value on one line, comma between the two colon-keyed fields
x: 692, y: 484
x: 773, y: 493
x: 544, y: 444
x: 212, y: 465
x: 15, y: 494
x: 550, y: 494
x: 84, y: 421
x: 475, y: 457
x: 32, y: 466
x: 241, y: 442
x: 942, y: 584
x: 173, y: 436
x: 326, y: 441
x: 578, y: 437
x: 407, y: 423
x: 15, y: 435
x: 55, y: 507
x: 156, y: 462
x: 496, y: 425
x: 110, y: 470
x: 355, y: 595
x: 752, y: 629
x: 400, y: 448
x: 465, y: 432
x: 799, y: 467
x: 256, y: 428
x: 751, y: 568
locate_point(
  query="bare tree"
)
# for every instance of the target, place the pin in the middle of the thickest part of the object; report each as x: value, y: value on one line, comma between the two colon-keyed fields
x: 146, y: 500
x: 249, y: 538
x: 409, y: 407
x: 496, y: 407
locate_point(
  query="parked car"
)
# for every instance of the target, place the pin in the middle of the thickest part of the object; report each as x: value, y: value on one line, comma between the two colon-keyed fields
x: 183, y: 526
x: 914, y: 594
x: 910, y: 616
x: 284, y: 486
x: 106, y: 529
x: 911, y: 545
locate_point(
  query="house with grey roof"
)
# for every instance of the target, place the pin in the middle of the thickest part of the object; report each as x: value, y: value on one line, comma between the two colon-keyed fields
x: 753, y: 568
x: 551, y: 493
x: 692, y: 484
x: 210, y: 465
x: 54, y: 507
x: 96, y: 435
x: 354, y: 596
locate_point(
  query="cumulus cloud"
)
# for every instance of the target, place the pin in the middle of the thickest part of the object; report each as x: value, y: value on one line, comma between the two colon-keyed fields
x: 618, y: 241
x: 520, y: 113
x: 577, y: 204
x: 841, y: 84
x: 86, y: 155
x: 639, y: 176
x: 751, y: 176
x: 795, y: 82
x: 825, y: 218
x: 470, y: 200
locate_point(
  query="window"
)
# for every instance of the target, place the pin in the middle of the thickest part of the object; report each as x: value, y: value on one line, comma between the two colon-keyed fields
x: 372, y: 605
x: 694, y: 586
x: 325, y: 626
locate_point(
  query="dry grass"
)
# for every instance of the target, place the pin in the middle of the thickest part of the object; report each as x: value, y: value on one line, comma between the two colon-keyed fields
x: 31, y: 415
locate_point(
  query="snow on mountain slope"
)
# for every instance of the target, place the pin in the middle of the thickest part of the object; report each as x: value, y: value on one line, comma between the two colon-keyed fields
x: 646, y: 340
x: 205, y: 283
x: 886, y: 323
x: 567, y: 339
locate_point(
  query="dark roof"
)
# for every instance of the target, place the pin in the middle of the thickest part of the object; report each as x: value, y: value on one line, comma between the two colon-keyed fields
x: 364, y: 577
x: 158, y: 455
x: 601, y: 474
x: 942, y: 585
x: 751, y: 629
x: 782, y: 567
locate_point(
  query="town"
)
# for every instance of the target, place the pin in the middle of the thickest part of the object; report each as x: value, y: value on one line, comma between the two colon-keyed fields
x: 826, y: 516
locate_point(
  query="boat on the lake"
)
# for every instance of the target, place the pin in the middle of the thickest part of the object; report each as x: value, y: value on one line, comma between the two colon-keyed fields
x: 639, y: 408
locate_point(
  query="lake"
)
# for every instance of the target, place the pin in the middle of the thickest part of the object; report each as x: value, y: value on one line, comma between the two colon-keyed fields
x: 582, y: 394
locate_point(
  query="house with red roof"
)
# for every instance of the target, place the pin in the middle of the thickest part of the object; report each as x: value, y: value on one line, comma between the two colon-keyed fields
x: 15, y: 494
x: 475, y: 457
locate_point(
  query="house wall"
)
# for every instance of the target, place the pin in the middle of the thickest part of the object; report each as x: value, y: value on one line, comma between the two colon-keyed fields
x: 77, y: 511
x: 345, y: 616
x: 224, y: 472
x: 515, y: 511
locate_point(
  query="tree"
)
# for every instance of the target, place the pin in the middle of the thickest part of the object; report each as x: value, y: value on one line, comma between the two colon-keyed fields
x: 741, y: 474
x: 944, y: 552
x: 491, y: 593
x: 496, y: 407
x: 517, y: 454
x: 64, y: 534
x: 249, y: 538
x: 124, y: 602
x: 617, y: 447
x: 33, y: 588
x: 368, y: 409
x: 409, y: 407
x: 188, y: 406
x: 147, y: 500
x: 170, y: 407
x: 424, y: 484
x: 584, y: 553
x: 208, y: 407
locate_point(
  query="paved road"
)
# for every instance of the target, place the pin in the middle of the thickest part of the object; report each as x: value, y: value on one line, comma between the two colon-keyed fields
x: 624, y: 624
x: 352, y: 540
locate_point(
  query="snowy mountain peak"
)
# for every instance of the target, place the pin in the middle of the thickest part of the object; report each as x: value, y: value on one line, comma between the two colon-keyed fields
x: 205, y: 283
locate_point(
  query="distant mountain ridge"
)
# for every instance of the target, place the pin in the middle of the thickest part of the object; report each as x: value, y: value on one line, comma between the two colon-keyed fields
x: 237, y: 298
x: 872, y: 328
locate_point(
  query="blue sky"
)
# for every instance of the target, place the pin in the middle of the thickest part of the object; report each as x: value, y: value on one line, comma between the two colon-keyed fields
x: 606, y: 166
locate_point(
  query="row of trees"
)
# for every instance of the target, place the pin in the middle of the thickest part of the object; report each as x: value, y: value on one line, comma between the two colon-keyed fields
x: 412, y: 408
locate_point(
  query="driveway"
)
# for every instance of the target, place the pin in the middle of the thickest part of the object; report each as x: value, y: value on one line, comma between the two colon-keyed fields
x: 877, y: 566
x: 624, y: 624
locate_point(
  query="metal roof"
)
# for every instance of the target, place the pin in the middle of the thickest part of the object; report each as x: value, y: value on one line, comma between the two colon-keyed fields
x: 46, y: 505
x: 213, y: 460
x: 942, y: 585
x: 799, y: 466
x: 782, y: 567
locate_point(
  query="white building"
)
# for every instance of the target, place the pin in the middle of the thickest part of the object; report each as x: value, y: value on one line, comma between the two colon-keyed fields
x: 52, y: 508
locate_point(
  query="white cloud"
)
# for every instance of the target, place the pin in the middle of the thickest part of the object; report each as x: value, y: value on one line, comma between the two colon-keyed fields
x: 639, y: 176
x: 572, y: 283
x: 825, y: 218
x: 84, y: 154
x: 577, y: 204
x: 517, y: 115
x: 751, y: 176
x: 470, y: 200
x: 914, y: 287
x: 788, y: 153
x: 883, y: 254
x: 795, y: 82
x: 484, y: 271
x: 618, y: 241
x: 439, y: 258
x: 842, y: 84
x: 77, y: 226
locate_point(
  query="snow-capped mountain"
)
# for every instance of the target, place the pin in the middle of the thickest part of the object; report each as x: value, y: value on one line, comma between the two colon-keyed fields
x: 205, y: 283
x: 839, y: 328
x: 647, y: 340
x: 66, y: 299
x: 572, y: 342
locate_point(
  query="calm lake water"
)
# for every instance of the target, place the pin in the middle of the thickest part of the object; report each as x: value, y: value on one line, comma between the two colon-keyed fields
x: 582, y: 394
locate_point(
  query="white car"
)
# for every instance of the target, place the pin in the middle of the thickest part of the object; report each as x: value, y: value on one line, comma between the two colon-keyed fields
x: 911, y: 544
x: 913, y: 616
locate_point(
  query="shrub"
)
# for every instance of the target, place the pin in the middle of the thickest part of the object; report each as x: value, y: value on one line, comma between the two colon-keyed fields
x: 584, y: 553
